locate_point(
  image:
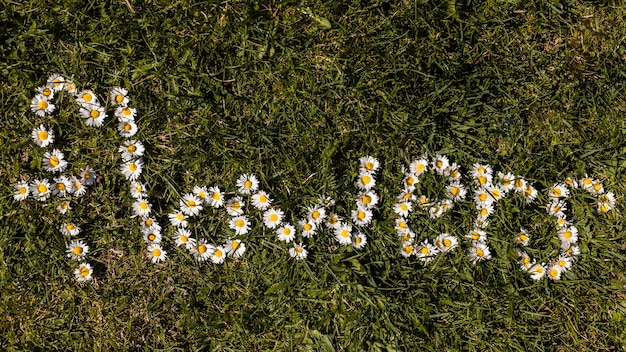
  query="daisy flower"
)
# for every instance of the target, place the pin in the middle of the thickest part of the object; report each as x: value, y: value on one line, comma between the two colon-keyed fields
x: 119, y: 96
x: 261, y: 200
x: 426, y: 252
x: 554, y: 272
x: 77, y: 250
x: 495, y: 192
x: 445, y: 242
x: 234, y: 206
x: 367, y: 199
x: 86, y: 98
x: 88, y: 176
x: 368, y: 164
x: 478, y: 252
x: 481, y: 170
x: 94, y: 115
x: 418, y: 167
x: 407, y: 236
x: 137, y: 190
x: 46, y: 91
x: 366, y: 180
x: 556, y: 208
x: 240, y: 224
x: 41, y: 106
x: 422, y: 201
x: 132, y: 169
x: 127, y: 128
x: 131, y: 149
x: 606, y: 202
x: 407, y: 249
x: 40, y: 189
x: 455, y: 191
x: 484, y: 211
x: 401, y: 225
x: 519, y: 184
x: 55, y: 82
x: 235, y: 248
x: 190, y: 205
x: 70, y: 87
x: 522, y: 237
x: 142, y: 208
x: 530, y: 194
x: 570, y: 250
x: 402, y: 209
x: 202, y: 251
x: 21, y: 191
x: 63, y: 207
x: 83, y: 273
x: 69, y: 229
x: 182, y: 237
x: 559, y: 190
x: 359, y: 240
x: 586, y: 183
x: 453, y: 172
x: 272, y: 218
x: 216, y: 198
x: 477, y: 235
x: 149, y: 225
x: 152, y: 237
x: 78, y: 188
x: 156, y: 253
x: 316, y: 214
x: 565, y: 262
x: 406, y: 196
x: 409, y: 181
x: 537, y: 271
x: 571, y: 183
x: 219, y: 255
x: 435, y: 211
x: 124, y: 113
x: 506, y: 180
x: 247, y: 183
x: 440, y: 163
x: 482, y: 197
x: 525, y: 262
x: 298, y: 251
x: 62, y: 186
x: 307, y: 227
x: 361, y: 216
x: 54, y: 161
x: 568, y: 236
x: 343, y: 234
x: 178, y: 219
x: 561, y: 221
x: 42, y: 137
x: 286, y: 233
x: 202, y: 193
x: 333, y: 221
x: 596, y: 188
x: 326, y: 201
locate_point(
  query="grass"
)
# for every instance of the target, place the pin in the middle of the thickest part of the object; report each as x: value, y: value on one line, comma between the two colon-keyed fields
x: 295, y: 92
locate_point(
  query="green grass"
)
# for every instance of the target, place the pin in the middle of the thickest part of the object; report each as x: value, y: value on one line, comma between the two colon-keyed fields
x: 296, y: 92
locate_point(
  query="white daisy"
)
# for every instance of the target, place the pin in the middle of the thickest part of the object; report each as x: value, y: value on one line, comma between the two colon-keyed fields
x: 261, y: 200
x: 77, y: 250
x: 86, y: 98
x: 190, y: 204
x: 359, y: 240
x: 525, y: 262
x: 149, y: 225
x: 83, y: 273
x: 21, y: 191
x: 202, y: 193
x: 481, y: 170
x: 496, y: 193
x: 235, y: 248
x: 596, y: 188
x: 119, y: 96
x: 182, y: 237
x: 561, y: 222
x: 62, y: 186
x: 88, y: 176
x: 127, y: 128
x: 240, y: 224
x: 455, y: 191
x: 40, y: 189
x: 41, y: 106
x: 556, y: 208
x: 484, y: 211
x: 152, y: 237
x: 272, y: 218
x: 156, y: 253
x: 606, y: 202
x: 298, y: 251
x: 333, y: 221
x: 565, y: 261
x: 522, y: 237
x: 326, y: 201
x: 426, y: 252
x: 307, y: 227
x: 519, y: 184
x: 55, y: 82
x: 446, y: 242
x: 142, y: 208
x: 406, y: 196
x: 216, y: 198
x: 132, y: 169
x: 234, y: 206
x: 419, y: 166
x: 554, y: 272
x: 69, y: 229
x: 70, y: 87
x: 78, y: 188
x: 343, y: 234
x: 367, y: 199
x: 201, y: 250
x: 407, y: 249
x: 407, y: 236
x: 366, y: 180
x: 570, y: 250
x: 94, y: 115
x: 506, y: 180
x: 368, y: 163
x: 137, y: 190
x: 247, y: 183
x: 409, y: 181
x: 361, y: 216
x: 316, y: 214
x: 440, y: 163
x: 402, y: 209
x: 477, y: 235
x: 42, y: 137
x: 454, y: 172
x: 286, y: 233
x: 568, y: 236
x: 401, y: 225
x: 586, y: 183
x: 530, y: 194
x: 124, y: 113
x: 131, y: 149
x: 559, y: 190
x: 64, y: 207
x: 537, y: 271
x: 177, y: 219
x: 54, y: 161
x: 479, y: 252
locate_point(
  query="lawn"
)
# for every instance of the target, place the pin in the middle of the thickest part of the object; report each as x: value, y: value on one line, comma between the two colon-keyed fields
x: 295, y: 93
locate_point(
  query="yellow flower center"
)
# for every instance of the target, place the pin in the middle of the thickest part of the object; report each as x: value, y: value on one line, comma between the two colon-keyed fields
x: 239, y: 223
x: 406, y: 237
x: 61, y: 186
x: 131, y: 148
x: 235, y: 244
x: 424, y: 250
x: 420, y: 168
x: 77, y: 250
x: 455, y: 191
x: 404, y: 207
x: 518, y: 183
x: 528, y: 192
x: 556, y: 192
x: 156, y: 252
x: 454, y: 173
x: 42, y: 105
x: 408, y: 249
x: 180, y: 216
x: 151, y: 237
x: 562, y: 263
x: 597, y: 187
x: 132, y: 167
x: 402, y: 225
x: 345, y: 233
x: 87, y: 175
x: 54, y: 161
x: 84, y: 271
x: 56, y: 82
x: 94, y: 114
x: 604, y: 208
x: 274, y: 217
x: 526, y: 261
x: 235, y: 205
x: 262, y: 198
x: 482, y: 180
x: 484, y: 212
x: 482, y: 197
x: 201, y: 249
x: 567, y: 234
x: 439, y: 163
x: 423, y: 200
x: 46, y: 92
x: 495, y: 193
x: 143, y: 205
x: 358, y: 240
x: 475, y: 236
x: 247, y: 184
x: 587, y: 181
x: 366, y: 199
x: 148, y: 222
x: 184, y: 239
x: 42, y: 188
x: 307, y: 227
x: 557, y: 209
x: 479, y: 252
x: 361, y: 215
x: 128, y: 127
x: 410, y: 181
x: 126, y: 111
x: 216, y: 196
x: 481, y: 170
x: 69, y: 227
x: 87, y: 97
x: 522, y: 238
x: 201, y: 194
x: 191, y: 203
x: 447, y: 242
x: 366, y: 180
x: 554, y: 272
x: 539, y: 270
x: 22, y: 190
x: 299, y: 250
x: 369, y: 165
x: 42, y: 135
x: 506, y: 182
x: 119, y: 98
x: 286, y: 231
